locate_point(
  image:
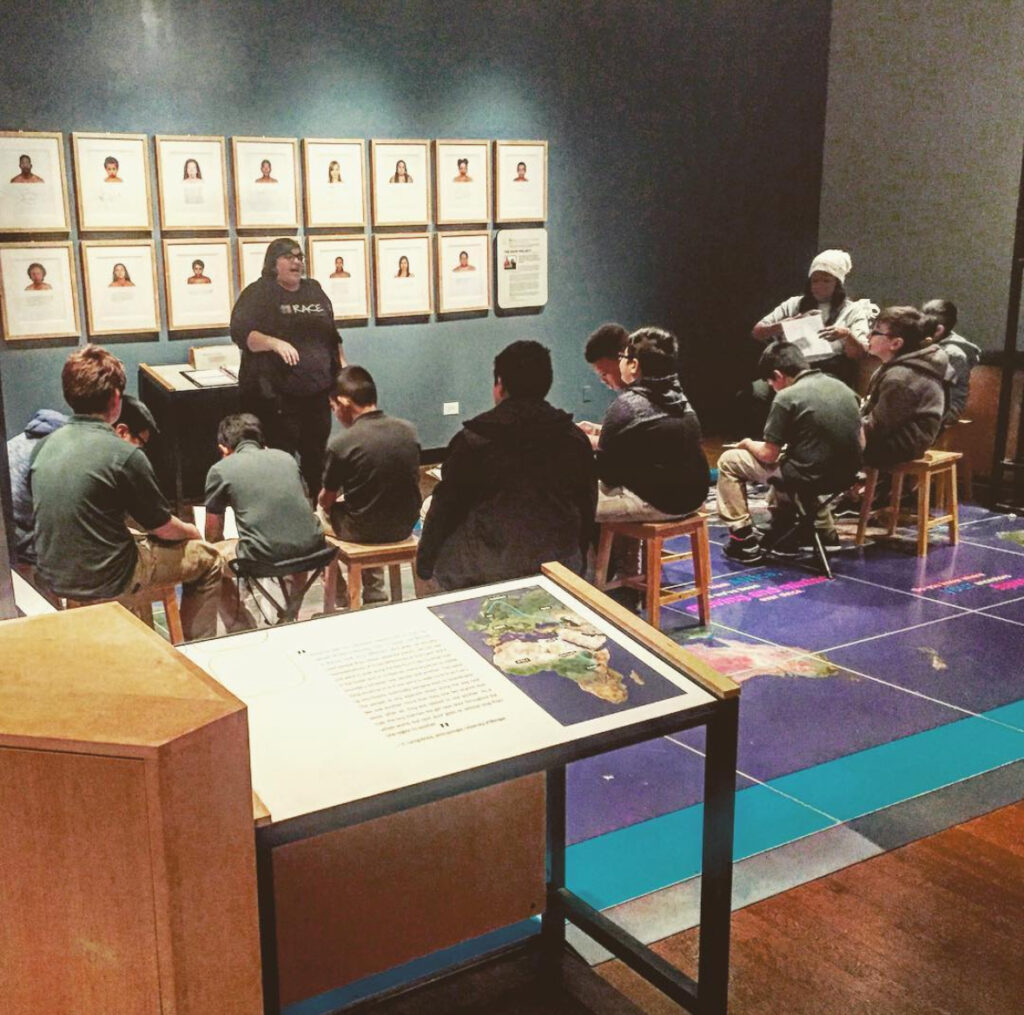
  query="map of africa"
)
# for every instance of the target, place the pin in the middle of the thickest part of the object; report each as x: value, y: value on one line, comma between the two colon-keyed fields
x: 559, y: 659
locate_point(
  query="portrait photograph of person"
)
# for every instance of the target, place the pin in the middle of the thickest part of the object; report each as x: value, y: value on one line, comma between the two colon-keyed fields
x: 112, y: 182
x: 463, y: 271
x: 340, y: 265
x: 406, y: 163
x: 266, y: 182
x: 120, y: 286
x: 403, y: 270
x: 521, y: 181
x: 462, y: 178
x: 191, y: 182
x: 33, y: 189
x: 47, y: 307
x: 197, y: 275
x: 335, y: 182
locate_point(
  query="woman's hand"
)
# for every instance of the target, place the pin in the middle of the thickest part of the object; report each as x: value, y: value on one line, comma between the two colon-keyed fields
x: 286, y: 351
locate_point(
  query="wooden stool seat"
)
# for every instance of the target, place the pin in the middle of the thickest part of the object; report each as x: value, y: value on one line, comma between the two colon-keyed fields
x: 933, y: 469
x: 359, y: 556
x: 654, y: 535
x: 142, y: 605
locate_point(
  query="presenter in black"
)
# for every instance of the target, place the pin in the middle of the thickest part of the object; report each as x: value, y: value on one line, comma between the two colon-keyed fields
x: 291, y: 353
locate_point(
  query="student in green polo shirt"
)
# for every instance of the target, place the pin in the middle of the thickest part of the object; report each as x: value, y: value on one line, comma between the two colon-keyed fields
x: 88, y: 482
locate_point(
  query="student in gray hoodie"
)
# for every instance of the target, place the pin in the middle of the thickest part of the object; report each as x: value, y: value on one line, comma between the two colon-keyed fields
x: 963, y: 355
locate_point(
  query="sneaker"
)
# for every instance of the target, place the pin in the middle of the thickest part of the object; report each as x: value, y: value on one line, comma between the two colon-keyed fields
x: 783, y: 544
x: 830, y: 541
x: 743, y: 548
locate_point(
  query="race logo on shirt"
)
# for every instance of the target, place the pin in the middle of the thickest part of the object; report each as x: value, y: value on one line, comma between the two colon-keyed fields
x: 301, y: 308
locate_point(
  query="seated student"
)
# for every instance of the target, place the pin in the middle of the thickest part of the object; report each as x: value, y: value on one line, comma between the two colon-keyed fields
x: 816, y: 418
x: 518, y: 487
x: 649, y: 458
x: 20, y: 450
x: 136, y: 424
x: 602, y: 352
x: 371, y: 488
x: 962, y: 354
x: 86, y: 482
x: 907, y: 395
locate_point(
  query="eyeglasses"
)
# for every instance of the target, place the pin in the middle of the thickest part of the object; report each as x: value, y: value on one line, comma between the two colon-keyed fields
x: 882, y: 334
x: 626, y: 355
x: 296, y: 256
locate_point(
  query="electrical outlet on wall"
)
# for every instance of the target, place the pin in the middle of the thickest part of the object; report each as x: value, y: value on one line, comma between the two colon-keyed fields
x: 450, y: 408
x: 587, y: 394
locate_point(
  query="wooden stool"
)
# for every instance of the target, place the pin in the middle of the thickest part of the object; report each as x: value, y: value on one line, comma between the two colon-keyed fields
x: 359, y: 556
x: 142, y: 606
x: 654, y: 535
x: 939, y: 466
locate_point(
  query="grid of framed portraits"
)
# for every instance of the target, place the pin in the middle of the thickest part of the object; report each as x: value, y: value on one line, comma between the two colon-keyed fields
x: 120, y: 286
x: 404, y: 273
x: 200, y: 283
x: 112, y: 182
x: 341, y: 265
x: 39, y: 291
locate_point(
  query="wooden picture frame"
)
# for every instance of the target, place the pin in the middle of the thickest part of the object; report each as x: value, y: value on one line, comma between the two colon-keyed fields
x: 335, y: 191
x: 46, y: 306
x: 520, y: 181
x: 463, y: 271
x: 266, y: 182
x: 399, y: 201
x: 33, y: 185
x: 347, y: 284
x: 112, y: 188
x: 251, y: 252
x: 117, y: 302
x: 191, y: 173
x: 462, y: 182
x: 199, y: 280
x: 400, y: 294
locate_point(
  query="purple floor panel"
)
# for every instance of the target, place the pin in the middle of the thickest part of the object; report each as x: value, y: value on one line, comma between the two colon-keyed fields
x: 1003, y: 532
x: 1009, y: 611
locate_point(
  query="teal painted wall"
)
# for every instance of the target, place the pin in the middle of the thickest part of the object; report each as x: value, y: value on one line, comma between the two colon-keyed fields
x: 685, y: 154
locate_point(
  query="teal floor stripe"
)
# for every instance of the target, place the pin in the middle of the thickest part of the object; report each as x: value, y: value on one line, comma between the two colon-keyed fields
x: 642, y: 858
x: 881, y: 776
x: 1011, y: 715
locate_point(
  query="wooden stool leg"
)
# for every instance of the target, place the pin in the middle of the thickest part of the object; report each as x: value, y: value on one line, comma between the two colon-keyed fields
x: 331, y: 586
x: 924, y: 489
x: 395, y: 582
x: 604, y: 552
x: 355, y: 586
x: 653, y: 581
x: 700, y: 546
x: 895, y: 497
x: 954, y: 507
x: 173, y: 615
x: 144, y: 611
x: 870, y: 482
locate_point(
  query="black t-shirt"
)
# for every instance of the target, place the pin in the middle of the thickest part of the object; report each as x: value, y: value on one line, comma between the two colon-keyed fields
x: 304, y: 318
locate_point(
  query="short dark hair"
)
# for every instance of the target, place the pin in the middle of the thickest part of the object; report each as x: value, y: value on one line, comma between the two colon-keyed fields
x: 200, y: 263
x: 356, y: 384
x: 606, y: 342
x: 785, y: 357
x: 275, y: 249
x: 111, y: 161
x: 136, y: 416
x: 242, y: 426
x: 90, y: 376
x: 524, y: 369
x: 944, y: 310
x: 35, y: 264
x: 656, y: 350
x: 907, y: 323
x: 462, y: 162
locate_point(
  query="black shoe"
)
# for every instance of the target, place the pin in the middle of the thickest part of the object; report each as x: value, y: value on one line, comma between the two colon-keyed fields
x: 782, y: 544
x: 743, y: 548
x: 830, y: 542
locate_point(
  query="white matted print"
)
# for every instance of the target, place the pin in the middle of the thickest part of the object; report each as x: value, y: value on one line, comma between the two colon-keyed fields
x: 400, y: 172
x: 341, y: 265
x: 191, y: 178
x: 404, y: 275
x: 33, y: 190
x: 38, y: 290
x: 112, y: 181
x: 463, y: 271
x: 520, y: 181
x: 200, y: 283
x: 251, y: 252
x: 522, y: 258
x: 266, y: 182
x: 120, y: 286
x: 462, y: 171
x: 335, y: 182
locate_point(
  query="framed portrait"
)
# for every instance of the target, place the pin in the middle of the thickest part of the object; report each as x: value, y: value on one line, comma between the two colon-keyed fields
x: 38, y: 291
x: 404, y: 275
x: 251, y: 252
x: 335, y: 182
x: 120, y: 286
x: 266, y: 182
x: 520, y: 181
x: 462, y: 180
x: 112, y: 182
x: 191, y: 174
x: 463, y: 271
x: 33, y: 188
x: 342, y: 266
x: 400, y: 172
x: 200, y: 283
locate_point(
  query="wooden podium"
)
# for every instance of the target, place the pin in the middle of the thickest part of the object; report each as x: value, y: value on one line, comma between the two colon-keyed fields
x: 127, y: 864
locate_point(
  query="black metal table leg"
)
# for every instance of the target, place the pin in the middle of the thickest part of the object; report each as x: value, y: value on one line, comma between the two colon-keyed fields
x: 553, y: 921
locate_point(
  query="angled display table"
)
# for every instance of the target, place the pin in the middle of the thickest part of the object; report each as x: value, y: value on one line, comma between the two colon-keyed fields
x: 418, y: 721
x: 127, y: 868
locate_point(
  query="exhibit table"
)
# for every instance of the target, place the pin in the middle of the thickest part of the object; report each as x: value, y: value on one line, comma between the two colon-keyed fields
x: 375, y: 716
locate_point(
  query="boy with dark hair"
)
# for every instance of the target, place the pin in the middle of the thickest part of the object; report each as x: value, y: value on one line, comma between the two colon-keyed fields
x: 816, y: 417
x: 962, y: 354
x: 86, y: 481
x: 602, y: 351
x: 907, y: 395
x: 136, y: 424
x: 370, y: 491
x: 517, y: 488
